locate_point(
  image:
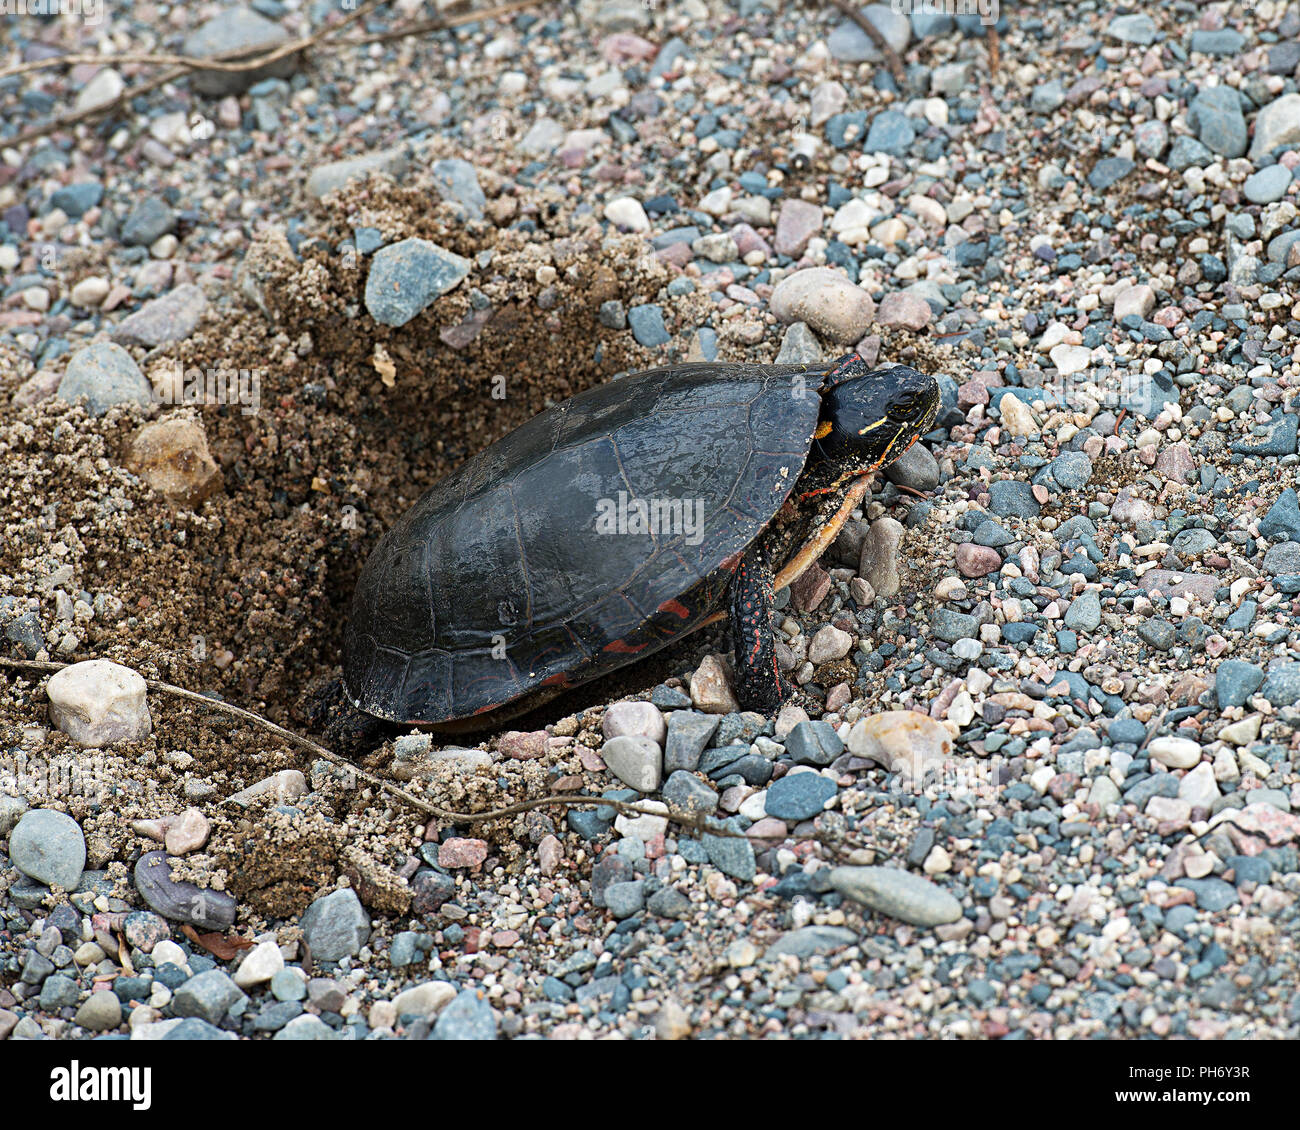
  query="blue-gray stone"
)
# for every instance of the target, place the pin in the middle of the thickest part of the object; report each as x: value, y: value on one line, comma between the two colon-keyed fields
x: 49, y: 846
x: 1178, y: 919
x: 553, y: 989
x: 1084, y: 613
x: 688, y: 733
x: 647, y: 322
x: 25, y: 632
x: 1280, y: 441
x: 686, y: 791
x: 848, y: 43
x: 1157, y: 633
x: 1139, y: 29
x: 106, y: 375
x: 405, y: 949
x: 891, y: 132
x: 612, y: 315
x: 1072, y: 469
x: 899, y: 894
x: 1235, y: 681
x: 147, y: 222
x: 208, y: 996
x: 1047, y: 97
x: 77, y: 199
x: 992, y: 534
x: 1225, y: 41
x: 457, y: 180
x: 951, y: 626
x: 1019, y: 631
x: 336, y: 926
x: 1159, y: 784
x: 406, y: 277
x: 625, y: 899
x: 1249, y: 868
x: 1126, y: 731
x: 1211, y: 894
x: 196, y: 1028
x: 1242, y: 617
x: 1145, y: 394
x: 1216, y: 119
x: 1282, y: 560
x: 929, y: 23
x: 1193, y: 541
x: 810, y: 940
x: 813, y: 743
x: 1011, y: 498
x: 1282, y: 684
x: 1186, y: 151
x: 1110, y: 171
x: 1282, y: 522
x: 799, y: 796
x: 732, y: 855
x: 59, y: 991
x: 1268, y: 185
x: 1279, y: 247
x: 468, y: 1017
x: 588, y: 823
x: 669, y: 902
x: 275, y: 1015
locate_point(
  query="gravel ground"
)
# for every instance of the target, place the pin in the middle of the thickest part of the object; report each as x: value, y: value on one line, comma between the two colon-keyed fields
x: 1039, y: 779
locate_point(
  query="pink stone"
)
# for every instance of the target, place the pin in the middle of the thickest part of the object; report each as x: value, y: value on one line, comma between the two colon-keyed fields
x: 523, y: 746
x: 675, y: 254
x: 838, y: 697
x: 549, y: 854
x: 636, y: 720
x: 747, y: 240
x: 811, y: 588
x: 187, y: 832
x: 972, y: 392
x: 592, y: 762
x: 910, y: 311
x: 797, y: 223
x: 769, y: 830
x: 460, y: 852
x: 977, y: 560
x: 623, y: 46
x: 40, y: 386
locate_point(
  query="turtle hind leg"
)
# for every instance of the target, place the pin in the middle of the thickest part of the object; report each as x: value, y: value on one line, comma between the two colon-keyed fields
x: 347, y: 730
x: 760, y: 685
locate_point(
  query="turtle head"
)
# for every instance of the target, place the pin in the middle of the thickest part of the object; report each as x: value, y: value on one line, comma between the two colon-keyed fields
x: 870, y: 417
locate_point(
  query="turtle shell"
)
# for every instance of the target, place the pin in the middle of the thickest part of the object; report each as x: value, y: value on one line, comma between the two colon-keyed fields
x: 514, y: 574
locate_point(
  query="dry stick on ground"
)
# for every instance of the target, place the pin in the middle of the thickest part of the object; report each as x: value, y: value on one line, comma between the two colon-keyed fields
x: 692, y: 822
x: 995, y: 51
x: 892, y: 61
x: 181, y: 65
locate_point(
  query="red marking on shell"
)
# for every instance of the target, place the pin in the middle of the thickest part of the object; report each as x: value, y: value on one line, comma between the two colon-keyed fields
x: 730, y: 563
x: 676, y: 607
x: 623, y: 648
x: 559, y: 679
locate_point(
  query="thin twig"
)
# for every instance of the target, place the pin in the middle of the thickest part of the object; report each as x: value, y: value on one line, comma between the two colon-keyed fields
x: 694, y: 823
x: 995, y: 52
x: 892, y: 61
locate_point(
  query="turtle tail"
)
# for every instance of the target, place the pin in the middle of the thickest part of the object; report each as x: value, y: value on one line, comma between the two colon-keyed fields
x: 347, y: 730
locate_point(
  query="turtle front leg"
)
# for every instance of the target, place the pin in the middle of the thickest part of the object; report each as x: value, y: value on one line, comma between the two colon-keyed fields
x: 348, y: 731
x: 760, y: 685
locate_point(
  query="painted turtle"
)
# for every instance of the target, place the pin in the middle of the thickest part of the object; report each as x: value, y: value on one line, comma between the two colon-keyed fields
x: 614, y: 523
